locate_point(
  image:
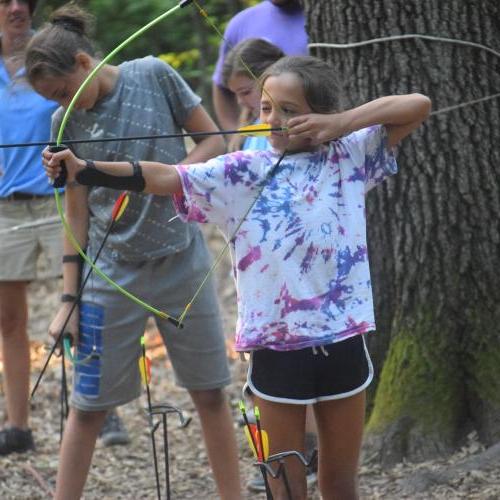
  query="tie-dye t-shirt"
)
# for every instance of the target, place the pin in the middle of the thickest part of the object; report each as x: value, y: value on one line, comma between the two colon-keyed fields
x: 300, y: 257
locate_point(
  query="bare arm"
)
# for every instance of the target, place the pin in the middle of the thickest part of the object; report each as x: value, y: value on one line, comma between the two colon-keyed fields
x: 206, y: 147
x: 77, y: 216
x: 400, y: 114
x: 160, y: 178
x: 226, y: 107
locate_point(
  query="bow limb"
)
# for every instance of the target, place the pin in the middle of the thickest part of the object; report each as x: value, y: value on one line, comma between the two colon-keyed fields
x: 67, y: 229
x: 60, y: 133
x: 203, y: 13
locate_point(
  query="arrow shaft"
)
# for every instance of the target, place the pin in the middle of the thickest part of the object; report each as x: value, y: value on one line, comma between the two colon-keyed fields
x: 140, y: 137
x: 59, y: 338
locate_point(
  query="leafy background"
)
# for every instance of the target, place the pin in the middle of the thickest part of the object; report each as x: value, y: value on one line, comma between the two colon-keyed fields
x: 184, y: 40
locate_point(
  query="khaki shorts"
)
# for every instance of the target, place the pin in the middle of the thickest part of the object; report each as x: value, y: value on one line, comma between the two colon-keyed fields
x: 111, y: 325
x: 29, y: 253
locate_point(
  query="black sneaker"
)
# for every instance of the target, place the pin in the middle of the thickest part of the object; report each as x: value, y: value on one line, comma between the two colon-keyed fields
x: 113, y: 431
x: 13, y: 440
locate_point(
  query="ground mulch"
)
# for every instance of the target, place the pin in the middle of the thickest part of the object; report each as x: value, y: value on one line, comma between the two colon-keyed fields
x: 126, y: 472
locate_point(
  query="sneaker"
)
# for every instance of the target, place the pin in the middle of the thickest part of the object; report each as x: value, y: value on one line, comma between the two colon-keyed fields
x: 257, y: 483
x: 113, y: 431
x: 13, y: 440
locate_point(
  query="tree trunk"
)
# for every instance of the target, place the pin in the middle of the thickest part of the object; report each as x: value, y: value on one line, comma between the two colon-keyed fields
x: 434, y: 228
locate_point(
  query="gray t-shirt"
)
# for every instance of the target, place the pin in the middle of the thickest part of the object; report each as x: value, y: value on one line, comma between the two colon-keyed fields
x: 149, y: 98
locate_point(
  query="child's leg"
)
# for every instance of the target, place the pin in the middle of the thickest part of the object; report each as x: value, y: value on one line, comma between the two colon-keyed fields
x: 16, y: 351
x: 198, y: 355
x: 76, y: 452
x: 108, y: 323
x: 285, y: 425
x: 220, y: 441
x: 340, y: 431
x: 311, y: 438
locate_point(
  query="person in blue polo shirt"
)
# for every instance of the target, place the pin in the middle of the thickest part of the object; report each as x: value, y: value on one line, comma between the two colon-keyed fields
x: 25, y: 198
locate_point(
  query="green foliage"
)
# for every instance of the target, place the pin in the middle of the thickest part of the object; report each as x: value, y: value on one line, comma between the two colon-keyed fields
x: 177, y: 39
x: 185, y: 62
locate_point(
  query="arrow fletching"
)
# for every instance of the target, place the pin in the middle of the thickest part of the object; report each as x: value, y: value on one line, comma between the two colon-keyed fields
x: 241, y: 406
x: 144, y: 364
x: 256, y: 412
x: 145, y: 369
x: 261, y: 437
x: 120, y: 206
x: 257, y: 130
x: 257, y: 453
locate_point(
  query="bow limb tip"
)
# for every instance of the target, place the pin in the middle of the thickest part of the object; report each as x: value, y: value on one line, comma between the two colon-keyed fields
x: 184, y: 3
x: 176, y: 323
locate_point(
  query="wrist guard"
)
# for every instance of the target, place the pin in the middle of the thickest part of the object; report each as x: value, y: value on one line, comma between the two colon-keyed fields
x: 72, y: 259
x: 91, y: 176
x: 68, y: 297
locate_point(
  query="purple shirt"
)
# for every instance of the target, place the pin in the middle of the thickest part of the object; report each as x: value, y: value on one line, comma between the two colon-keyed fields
x: 283, y: 26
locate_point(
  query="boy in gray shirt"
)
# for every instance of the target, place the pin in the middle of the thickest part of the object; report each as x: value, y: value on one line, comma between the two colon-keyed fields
x: 162, y: 262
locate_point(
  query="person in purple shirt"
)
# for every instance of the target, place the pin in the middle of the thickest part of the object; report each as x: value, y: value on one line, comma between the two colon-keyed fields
x: 272, y: 20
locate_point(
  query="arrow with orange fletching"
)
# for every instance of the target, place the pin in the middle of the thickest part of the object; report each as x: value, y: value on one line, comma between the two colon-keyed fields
x: 144, y: 365
x: 118, y: 209
x: 145, y: 371
x: 258, y: 441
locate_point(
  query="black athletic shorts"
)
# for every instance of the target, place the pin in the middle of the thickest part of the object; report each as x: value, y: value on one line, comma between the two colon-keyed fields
x: 310, y: 375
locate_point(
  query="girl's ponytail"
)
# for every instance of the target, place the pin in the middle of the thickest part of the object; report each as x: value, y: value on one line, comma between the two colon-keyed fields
x: 52, y: 50
x: 72, y: 18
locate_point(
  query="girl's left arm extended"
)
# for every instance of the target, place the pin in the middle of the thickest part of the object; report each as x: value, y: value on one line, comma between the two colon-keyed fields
x: 401, y: 114
x: 160, y: 178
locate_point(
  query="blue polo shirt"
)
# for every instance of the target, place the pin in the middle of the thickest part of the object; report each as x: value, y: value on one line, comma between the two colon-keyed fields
x: 24, y: 117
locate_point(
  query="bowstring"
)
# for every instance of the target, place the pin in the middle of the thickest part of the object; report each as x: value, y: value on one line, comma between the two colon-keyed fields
x: 222, y: 252
x: 62, y: 127
x: 231, y: 238
x: 206, y: 17
x: 60, y: 210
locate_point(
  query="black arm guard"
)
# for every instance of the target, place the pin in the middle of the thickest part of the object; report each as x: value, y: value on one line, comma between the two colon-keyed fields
x: 91, y: 176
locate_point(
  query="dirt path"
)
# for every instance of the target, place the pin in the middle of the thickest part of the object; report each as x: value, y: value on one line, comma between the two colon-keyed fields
x: 127, y: 473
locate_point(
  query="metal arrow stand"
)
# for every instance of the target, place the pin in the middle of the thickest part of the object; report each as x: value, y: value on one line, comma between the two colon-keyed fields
x: 162, y: 411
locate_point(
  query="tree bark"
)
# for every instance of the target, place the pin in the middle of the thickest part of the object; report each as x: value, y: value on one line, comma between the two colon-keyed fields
x: 434, y: 228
